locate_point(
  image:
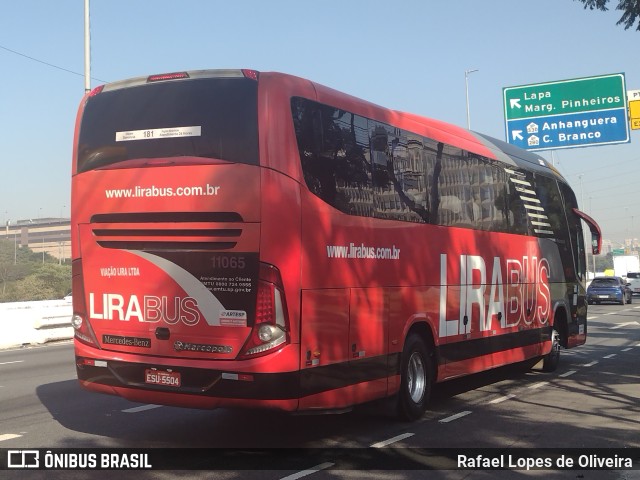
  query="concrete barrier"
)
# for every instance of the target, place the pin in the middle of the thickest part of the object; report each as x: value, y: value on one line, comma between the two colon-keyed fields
x: 31, y: 323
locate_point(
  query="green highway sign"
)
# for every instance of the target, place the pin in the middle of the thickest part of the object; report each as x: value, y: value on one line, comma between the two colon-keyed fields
x: 567, y: 113
x: 618, y: 251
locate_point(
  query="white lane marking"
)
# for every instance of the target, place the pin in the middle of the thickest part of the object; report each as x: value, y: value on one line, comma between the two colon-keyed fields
x: 398, y: 438
x: 627, y: 349
x: 568, y: 374
x: 141, y: 408
x: 537, y: 385
x: 9, y: 363
x: 610, y: 313
x: 8, y: 436
x: 590, y: 364
x: 309, y: 471
x: 455, y: 417
x: 611, y: 355
x: 620, y: 325
x: 502, y: 399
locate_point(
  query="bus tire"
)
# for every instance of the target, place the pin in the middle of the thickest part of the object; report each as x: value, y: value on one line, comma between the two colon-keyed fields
x: 416, y: 379
x: 552, y: 359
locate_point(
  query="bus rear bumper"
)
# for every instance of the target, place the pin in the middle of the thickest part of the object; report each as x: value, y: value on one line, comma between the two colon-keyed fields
x: 185, y: 400
x: 201, y: 384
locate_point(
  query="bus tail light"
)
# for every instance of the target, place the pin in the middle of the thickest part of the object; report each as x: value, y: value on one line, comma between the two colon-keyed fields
x: 96, y: 91
x: 250, y: 74
x: 271, y: 329
x: 163, y: 77
x: 82, y: 330
x: 81, y: 327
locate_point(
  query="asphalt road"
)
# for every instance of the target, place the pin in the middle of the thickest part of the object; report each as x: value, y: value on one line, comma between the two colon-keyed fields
x: 592, y: 401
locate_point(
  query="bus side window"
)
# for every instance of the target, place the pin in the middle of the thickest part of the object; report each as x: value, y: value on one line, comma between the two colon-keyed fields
x: 518, y: 221
x: 398, y: 174
x: 334, y: 151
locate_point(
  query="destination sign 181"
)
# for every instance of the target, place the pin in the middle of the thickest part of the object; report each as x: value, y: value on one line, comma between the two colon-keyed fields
x: 568, y: 113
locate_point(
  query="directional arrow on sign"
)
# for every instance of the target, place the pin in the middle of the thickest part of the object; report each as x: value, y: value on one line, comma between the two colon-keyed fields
x: 515, y: 102
x: 517, y: 134
x: 620, y: 325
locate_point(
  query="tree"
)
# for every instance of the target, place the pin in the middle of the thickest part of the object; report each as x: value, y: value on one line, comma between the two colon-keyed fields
x: 24, y: 275
x: 630, y: 10
x: 48, y: 281
x: 15, y: 264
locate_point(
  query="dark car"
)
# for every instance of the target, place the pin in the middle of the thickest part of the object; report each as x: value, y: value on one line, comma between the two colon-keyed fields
x: 609, y: 289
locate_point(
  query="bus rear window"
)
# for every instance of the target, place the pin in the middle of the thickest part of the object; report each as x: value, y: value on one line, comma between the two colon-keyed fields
x: 210, y: 118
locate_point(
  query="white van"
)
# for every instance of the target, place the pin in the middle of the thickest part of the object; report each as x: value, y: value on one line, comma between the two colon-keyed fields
x: 634, y: 282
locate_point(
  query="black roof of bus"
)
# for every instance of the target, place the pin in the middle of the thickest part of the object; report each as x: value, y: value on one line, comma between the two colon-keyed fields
x: 523, y: 158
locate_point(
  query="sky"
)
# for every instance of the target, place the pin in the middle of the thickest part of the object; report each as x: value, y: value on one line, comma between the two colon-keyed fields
x: 408, y: 55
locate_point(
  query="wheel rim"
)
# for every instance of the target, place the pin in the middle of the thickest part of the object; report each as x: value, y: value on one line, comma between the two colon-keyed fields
x: 555, y: 346
x: 416, y: 378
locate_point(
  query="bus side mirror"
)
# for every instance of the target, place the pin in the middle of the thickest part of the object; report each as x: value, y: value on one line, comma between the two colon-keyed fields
x: 596, y: 236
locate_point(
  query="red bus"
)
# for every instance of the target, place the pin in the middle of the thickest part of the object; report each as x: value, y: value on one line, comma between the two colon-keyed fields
x: 254, y: 239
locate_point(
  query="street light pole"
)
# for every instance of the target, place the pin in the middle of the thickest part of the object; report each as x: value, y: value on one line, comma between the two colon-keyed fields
x: 87, y: 49
x: 466, y: 88
x: 581, y: 191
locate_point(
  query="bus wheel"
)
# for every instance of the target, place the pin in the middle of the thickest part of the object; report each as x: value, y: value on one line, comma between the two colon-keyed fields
x: 417, y: 379
x: 552, y: 359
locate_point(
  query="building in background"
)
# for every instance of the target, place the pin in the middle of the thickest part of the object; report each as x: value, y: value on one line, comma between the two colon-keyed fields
x: 48, y: 235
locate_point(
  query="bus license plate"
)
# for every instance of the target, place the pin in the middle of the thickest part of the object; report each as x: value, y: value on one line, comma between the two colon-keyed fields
x: 161, y: 377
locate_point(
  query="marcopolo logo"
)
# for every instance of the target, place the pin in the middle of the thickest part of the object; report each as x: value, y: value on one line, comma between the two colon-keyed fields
x: 180, y: 346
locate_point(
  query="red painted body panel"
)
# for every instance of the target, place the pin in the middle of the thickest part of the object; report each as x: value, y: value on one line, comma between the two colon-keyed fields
x: 354, y: 286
